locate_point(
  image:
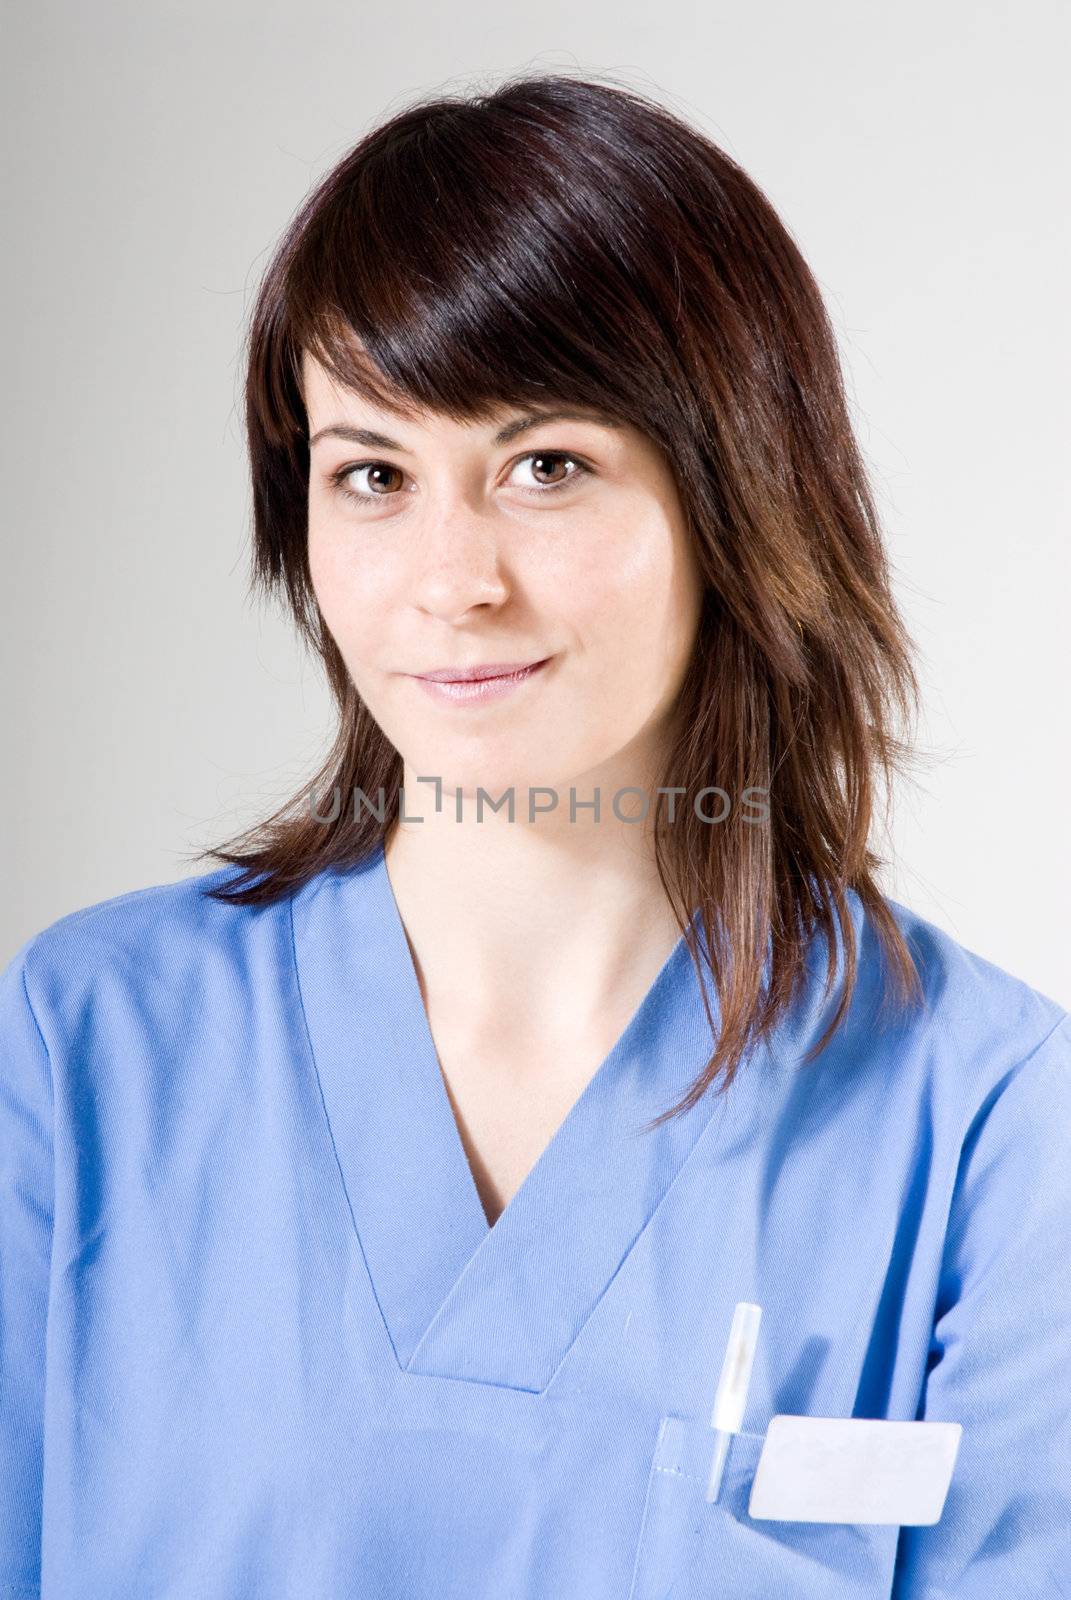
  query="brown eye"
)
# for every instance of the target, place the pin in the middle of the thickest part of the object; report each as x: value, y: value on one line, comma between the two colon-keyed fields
x: 383, y: 479
x: 381, y: 475
x: 550, y: 470
x: 543, y: 466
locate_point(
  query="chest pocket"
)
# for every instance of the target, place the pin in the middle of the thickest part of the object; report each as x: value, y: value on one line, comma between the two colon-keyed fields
x: 690, y: 1549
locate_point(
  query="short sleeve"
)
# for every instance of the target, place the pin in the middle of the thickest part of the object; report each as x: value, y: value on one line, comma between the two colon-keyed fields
x: 25, y: 1255
x: 1000, y: 1355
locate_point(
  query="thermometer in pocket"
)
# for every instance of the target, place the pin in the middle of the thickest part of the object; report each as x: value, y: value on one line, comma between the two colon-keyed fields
x: 731, y: 1398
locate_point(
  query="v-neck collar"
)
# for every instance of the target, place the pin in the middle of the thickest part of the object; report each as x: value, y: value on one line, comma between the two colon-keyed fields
x: 494, y: 1304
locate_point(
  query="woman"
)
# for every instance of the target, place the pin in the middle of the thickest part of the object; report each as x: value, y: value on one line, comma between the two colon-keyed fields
x: 376, y: 1205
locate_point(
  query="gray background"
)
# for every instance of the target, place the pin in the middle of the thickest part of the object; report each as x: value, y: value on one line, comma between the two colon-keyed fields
x: 153, y: 155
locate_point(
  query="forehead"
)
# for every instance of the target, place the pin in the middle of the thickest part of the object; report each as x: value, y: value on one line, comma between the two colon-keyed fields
x: 323, y: 391
x: 332, y: 405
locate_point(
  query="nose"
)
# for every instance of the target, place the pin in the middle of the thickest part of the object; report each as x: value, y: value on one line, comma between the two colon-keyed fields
x: 459, y: 562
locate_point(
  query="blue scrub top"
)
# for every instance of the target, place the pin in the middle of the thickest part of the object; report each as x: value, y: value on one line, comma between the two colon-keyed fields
x: 258, y: 1342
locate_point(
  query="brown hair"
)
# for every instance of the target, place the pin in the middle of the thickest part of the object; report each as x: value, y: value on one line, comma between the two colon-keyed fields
x: 572, y: 240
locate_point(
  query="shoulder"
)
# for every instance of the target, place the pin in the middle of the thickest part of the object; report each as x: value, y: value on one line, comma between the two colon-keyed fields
x: 158, y: 937
x: 968, y: 997
x: 979, y: 1032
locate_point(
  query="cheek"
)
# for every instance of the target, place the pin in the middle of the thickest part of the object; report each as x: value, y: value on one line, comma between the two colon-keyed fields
x: 324, y: 567
x: 346, y: 594
x: 633, y: 598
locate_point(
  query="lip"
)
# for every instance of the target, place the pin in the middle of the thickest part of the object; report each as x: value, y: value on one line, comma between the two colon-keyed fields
x: 471, y: 690
x: 489, y: 669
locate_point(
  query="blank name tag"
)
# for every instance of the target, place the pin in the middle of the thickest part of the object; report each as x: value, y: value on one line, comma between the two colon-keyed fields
x: 850, y: 1469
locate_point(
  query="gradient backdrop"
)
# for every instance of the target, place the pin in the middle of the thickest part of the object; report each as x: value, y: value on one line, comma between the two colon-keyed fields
x: 153, y: 154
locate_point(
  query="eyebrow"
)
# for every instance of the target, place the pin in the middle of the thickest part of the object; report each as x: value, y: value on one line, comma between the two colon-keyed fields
x: 379, y: 441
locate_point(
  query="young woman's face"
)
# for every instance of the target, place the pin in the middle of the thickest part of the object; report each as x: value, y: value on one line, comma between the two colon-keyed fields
x: 447, y: 548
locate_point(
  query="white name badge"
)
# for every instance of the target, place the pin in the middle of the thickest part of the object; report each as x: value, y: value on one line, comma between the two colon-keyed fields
x: 850, y: 1469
